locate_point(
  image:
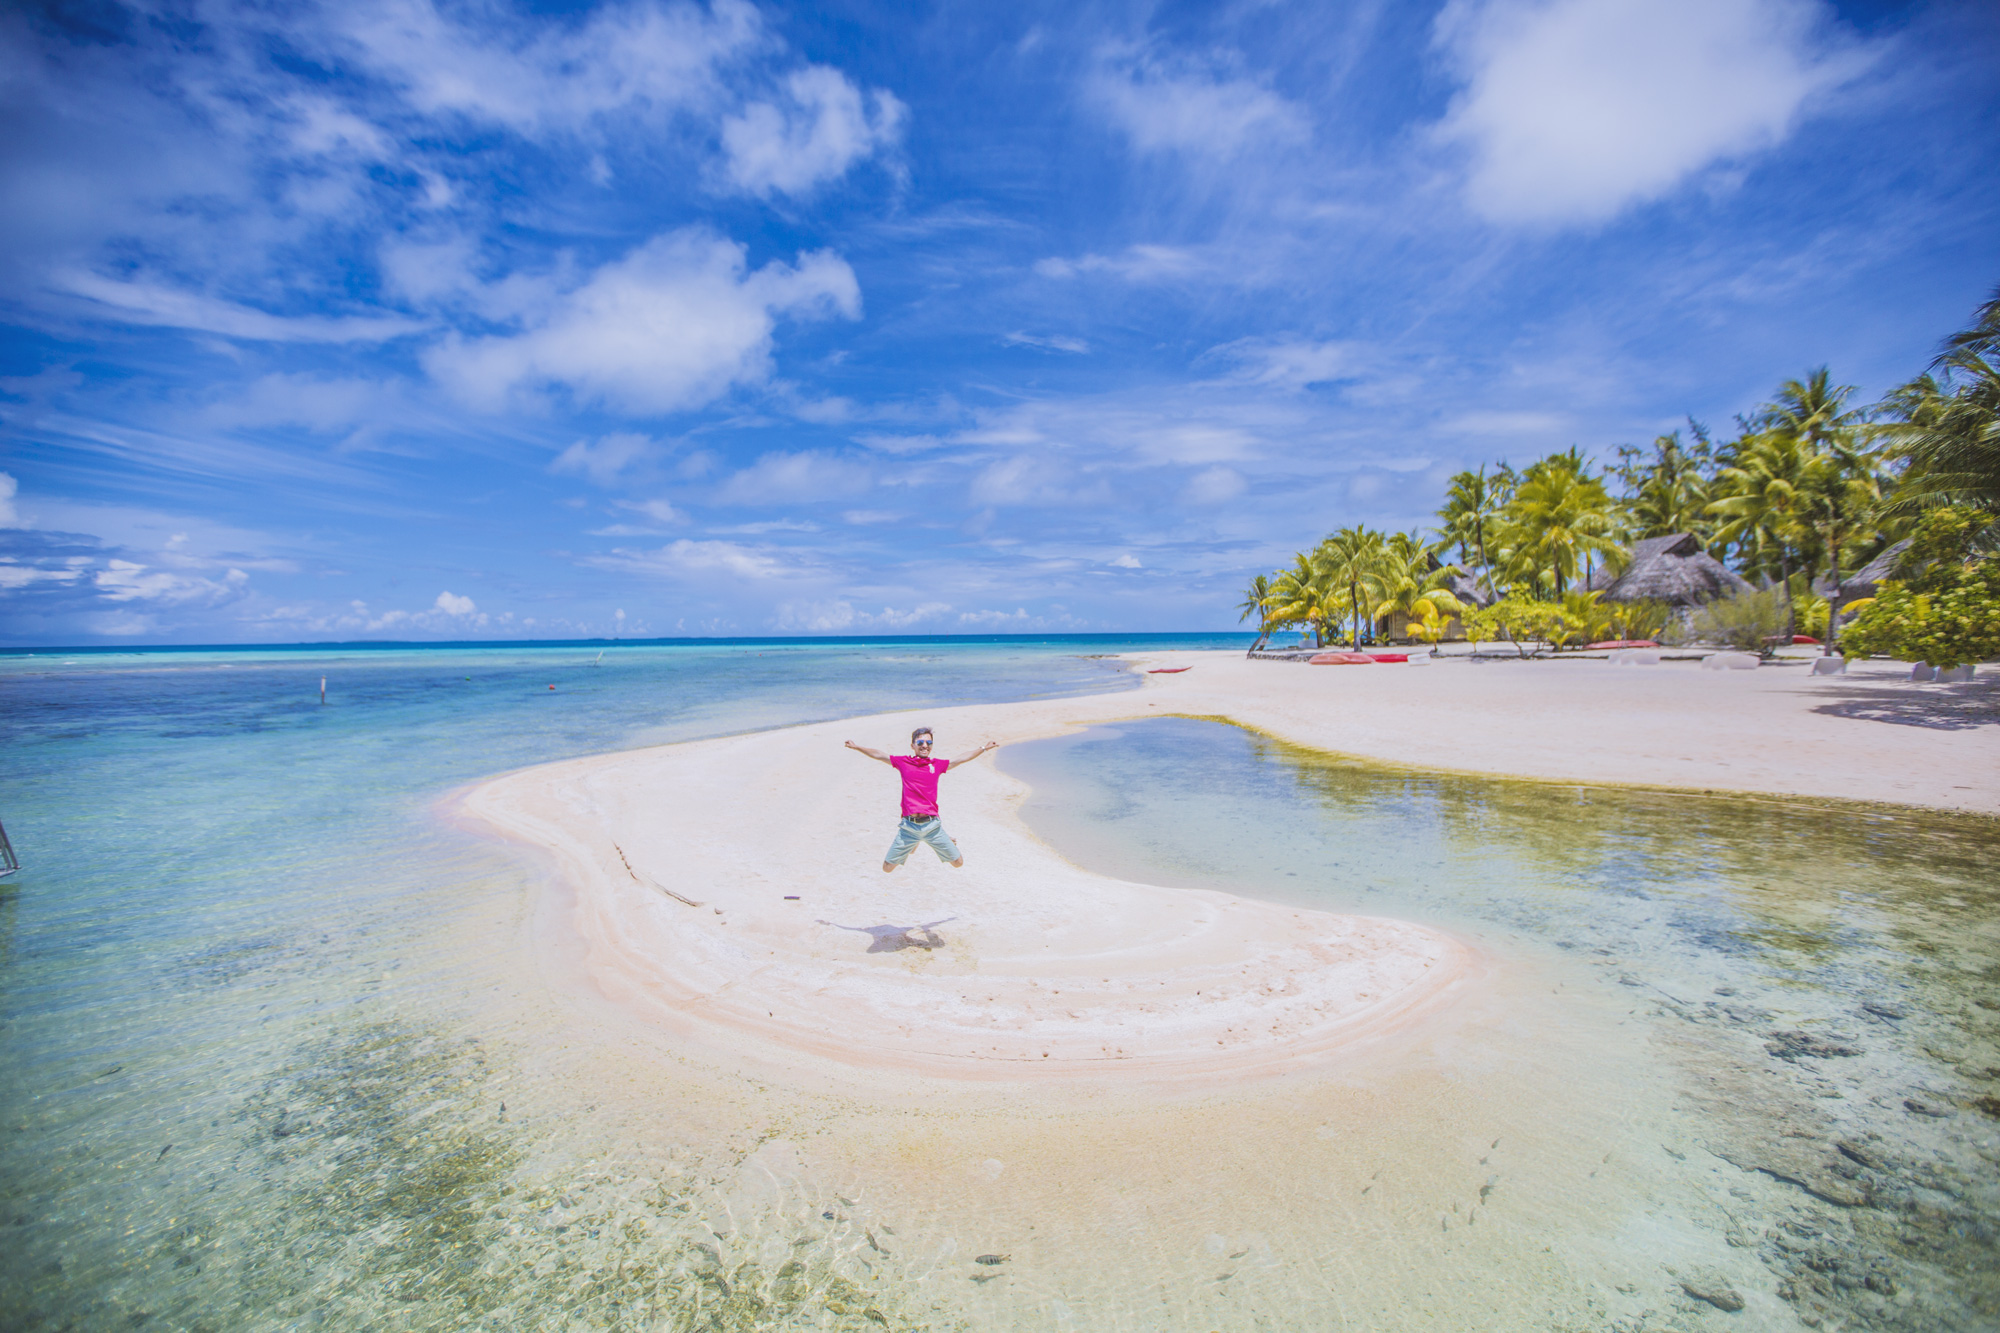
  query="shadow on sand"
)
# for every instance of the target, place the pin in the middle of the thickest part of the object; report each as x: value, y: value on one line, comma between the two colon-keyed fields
x: 892, y: 939
x: 1975, y: 703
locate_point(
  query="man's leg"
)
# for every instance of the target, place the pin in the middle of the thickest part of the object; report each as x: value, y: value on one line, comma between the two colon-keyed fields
x: 942, y: 844
x: 899, y: 850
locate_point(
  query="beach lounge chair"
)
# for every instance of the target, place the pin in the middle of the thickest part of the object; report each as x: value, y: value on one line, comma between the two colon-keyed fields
x: 1957, y: 675
x: 1635, y: 657
x: 1729, y: 662
x: 1922, y: 673
x: 1829, y: 666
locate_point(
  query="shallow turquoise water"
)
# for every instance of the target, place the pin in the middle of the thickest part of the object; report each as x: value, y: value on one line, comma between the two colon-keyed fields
x: 253, y: 1076
x: 221, y: 871
x: 1826, y: 974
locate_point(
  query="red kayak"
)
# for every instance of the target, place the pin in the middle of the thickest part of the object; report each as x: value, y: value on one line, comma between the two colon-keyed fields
x: 1624, y: 643
x: 1346, y: 659
x: 1804, y: 638
x: 1165, y: 671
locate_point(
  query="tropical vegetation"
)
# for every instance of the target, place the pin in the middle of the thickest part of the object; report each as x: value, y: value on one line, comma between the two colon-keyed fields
x: 1805, y: 492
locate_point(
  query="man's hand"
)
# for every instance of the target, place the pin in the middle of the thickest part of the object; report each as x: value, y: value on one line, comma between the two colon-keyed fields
x: 990, y: 745
x: 876, y: 755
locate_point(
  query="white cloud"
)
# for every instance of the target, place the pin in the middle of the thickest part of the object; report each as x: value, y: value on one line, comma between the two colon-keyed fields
x: 1125, y: 561
x: 603, y: 459
x: 127, y: 581
x: 1018, y: 618
x: 837, y: 615
x: 824, y: 126
x: 1024, y: 479
x: 1491, y: 422
x: 1574, y: 109
x: 1195, y: 109
x: 1196, y: 442
x: 698, y: 559
x: 9, y: 488
x: 781, y: 478
x: 899, y: 444
x: 20, y: 576
x: 1139, y: 263
x: 319, y: 404
x: 453, y: 605
x: 1215, y: 485
x: 673, y: 325
x: 1289, y: 363
x: 554, y: 77
x: 1052, y: 343
x: 658, y: 510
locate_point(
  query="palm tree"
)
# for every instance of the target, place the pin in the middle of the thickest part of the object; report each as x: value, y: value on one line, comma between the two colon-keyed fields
x: 1950, y: 427
x: 1761, y: 505
x: 1559, y: 517
x: 1411, y: 584
x: 1473, y: 502
x: 1810, y: 409
x: 1671, y: 496
x: 1300, y: 595
x: 1351, y: 562
x: 1256, y: 602
x: 1841, y: 494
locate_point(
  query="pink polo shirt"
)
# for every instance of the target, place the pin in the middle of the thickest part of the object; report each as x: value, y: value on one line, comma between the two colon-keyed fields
x: 920, y: 782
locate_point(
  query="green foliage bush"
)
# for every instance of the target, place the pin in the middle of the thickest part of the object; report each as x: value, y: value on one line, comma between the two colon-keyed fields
x: 1744, y: 621
x: 1522, y: 619
x: 1956, y: 621
x: 1947, y: 611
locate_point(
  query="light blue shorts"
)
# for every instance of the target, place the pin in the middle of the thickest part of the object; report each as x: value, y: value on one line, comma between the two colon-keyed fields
x: 909, y: 833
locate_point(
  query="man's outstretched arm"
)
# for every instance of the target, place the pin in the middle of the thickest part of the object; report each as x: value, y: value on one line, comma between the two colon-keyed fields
x: 876, y: 755
x: 990, y: 745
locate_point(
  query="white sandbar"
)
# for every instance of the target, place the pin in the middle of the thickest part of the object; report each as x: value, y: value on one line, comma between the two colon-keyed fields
x: 1044, y: 971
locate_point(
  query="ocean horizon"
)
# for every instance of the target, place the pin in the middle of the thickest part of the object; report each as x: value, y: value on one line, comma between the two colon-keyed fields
x: 1173, y: 638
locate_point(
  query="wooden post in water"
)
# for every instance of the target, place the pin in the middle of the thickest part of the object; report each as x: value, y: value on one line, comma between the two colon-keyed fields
x: 322, y: 691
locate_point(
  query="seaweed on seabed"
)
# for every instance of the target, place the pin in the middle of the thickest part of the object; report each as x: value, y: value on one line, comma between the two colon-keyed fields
x: 401, y: 1191
x: 798, y: 1294
x: 384, y: 1146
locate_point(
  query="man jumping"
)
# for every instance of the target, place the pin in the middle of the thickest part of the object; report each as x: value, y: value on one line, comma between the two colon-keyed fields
x: 920, y: 809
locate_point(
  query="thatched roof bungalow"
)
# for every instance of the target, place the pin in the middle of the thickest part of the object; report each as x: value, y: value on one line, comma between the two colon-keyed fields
x: 1672, y: 569
x: 1867, y: 580
x: 1469, y: 590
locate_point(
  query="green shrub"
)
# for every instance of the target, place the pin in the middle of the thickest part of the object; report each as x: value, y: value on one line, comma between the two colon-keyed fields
x: 1954, y: 621
x: 1521, y: 619
x: 1745, y: 621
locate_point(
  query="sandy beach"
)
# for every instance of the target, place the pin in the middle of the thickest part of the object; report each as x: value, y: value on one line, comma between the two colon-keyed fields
x: 729, y: 891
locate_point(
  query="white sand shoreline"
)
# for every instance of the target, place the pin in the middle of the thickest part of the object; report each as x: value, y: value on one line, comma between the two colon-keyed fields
x: 1047, y: 973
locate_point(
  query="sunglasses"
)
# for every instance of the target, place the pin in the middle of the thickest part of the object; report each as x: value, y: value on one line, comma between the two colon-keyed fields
x: 922, y: 742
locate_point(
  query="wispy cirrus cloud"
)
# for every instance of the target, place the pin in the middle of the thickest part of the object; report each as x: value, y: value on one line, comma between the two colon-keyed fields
x: 1054, y: 342
x: 1188, y: 104
x: 690, y: 558
x: 152, y: 303
x: 808, y: 477
x: 1137, y: 263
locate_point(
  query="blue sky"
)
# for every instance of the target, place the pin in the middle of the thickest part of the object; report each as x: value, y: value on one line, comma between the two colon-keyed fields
x: 392, y: 319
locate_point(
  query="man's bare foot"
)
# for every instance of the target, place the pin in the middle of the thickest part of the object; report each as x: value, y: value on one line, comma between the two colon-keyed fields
x: 958, y: 864
x: 887, y: 867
